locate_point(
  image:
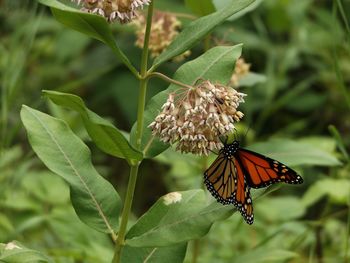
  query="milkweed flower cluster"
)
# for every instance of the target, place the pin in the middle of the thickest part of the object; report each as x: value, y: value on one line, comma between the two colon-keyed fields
x: 242, y: 68
x: 165, y: 27
x: 194, y: 118
x: 120, y: 10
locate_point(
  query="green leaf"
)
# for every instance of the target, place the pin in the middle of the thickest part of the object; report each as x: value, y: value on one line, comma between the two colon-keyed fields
x: 94, y: 199
x: 295, y: 153
x: 91, y: 25
x: 338, y: 190
x: 216, y: 65
x: 173, y: 254
x: 106, y: 136
x: 6, y: 226
x: 280, y: 209
x: 340, y: 142
x: 263, y: 255
x: 14, y: 252
x: 91, y: 246
x: 220, y: 4
x: 39, y: 184
x: 176, y: 218
x: 251, y: 79
x: 201, y: 8
x: 198, y: 29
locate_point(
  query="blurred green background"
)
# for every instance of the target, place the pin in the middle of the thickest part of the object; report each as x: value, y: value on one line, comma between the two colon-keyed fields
x: 297, y: 109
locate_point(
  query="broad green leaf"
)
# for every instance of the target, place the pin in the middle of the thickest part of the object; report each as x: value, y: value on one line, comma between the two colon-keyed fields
x: 251, y: 79
x: 216, y: 65
x: 9, y: 156
x: 14, y: 252
x: 295, y: 153
x: 280, y: 208
x: 220, y: 4
x: 92, y: 25
x: 93, y: 246
x: 338, y: 190
x: 263, y: 255
x: 106, y: 136
x: 198, y: 29
x: 173, y: 254
x: 324, y: 143
x: 176, y: 218
x: 201, y: 8
x: 94, y: 199
x: 39, y: 184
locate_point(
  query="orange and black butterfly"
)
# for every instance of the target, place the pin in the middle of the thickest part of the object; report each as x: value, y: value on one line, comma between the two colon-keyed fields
x: 236, y: 170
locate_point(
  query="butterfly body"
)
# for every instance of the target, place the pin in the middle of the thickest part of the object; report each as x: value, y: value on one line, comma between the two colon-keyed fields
x: 236, y: 170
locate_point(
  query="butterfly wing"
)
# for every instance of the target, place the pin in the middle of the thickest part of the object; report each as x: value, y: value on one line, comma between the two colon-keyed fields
x: 242, y: 198
x: 220, y: 179
x: 262, y: 171
x: 225, y: 180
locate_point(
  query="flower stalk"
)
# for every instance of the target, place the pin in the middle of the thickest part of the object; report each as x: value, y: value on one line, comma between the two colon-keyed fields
x: 140, y: 117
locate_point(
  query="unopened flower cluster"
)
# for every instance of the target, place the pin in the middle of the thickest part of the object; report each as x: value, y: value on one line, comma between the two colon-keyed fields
x: 165, y: 27
x: 120, y: 10
x: 242, y: 69
x: 194, y: 118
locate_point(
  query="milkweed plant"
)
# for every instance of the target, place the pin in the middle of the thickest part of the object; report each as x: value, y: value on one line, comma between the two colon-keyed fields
x: 199, y: 106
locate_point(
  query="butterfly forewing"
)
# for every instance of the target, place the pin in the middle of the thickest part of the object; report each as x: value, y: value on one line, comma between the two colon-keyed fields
x: 262, y: 171
x: 220, y: 179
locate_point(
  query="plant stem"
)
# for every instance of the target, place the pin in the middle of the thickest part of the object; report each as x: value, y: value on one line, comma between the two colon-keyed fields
x: 144, y: 60
x: 126, y: 211
x: 197, y: 242
x: 167, y: 79
x: 140, y: 116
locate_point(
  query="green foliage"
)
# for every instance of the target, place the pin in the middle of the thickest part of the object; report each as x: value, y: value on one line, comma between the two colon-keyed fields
x: 198, y: 29
x: 202, y: 8
x: 15, y: 252
x: 299, y: 152
x: 221, y: 4
x: 89, y: 24
x: 107, y: 137
x: 94, y: 199
x: 338, y: 191
x: 175, y: 218
x: 175, y: 254
x: 297, y: 99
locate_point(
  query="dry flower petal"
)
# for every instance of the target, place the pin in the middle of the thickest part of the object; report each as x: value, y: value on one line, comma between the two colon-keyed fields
x: 120, y: 10
x: 242, y: 69
x: 165, y: 27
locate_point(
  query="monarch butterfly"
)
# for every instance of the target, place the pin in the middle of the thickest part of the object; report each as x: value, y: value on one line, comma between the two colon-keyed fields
x: 236, y: 170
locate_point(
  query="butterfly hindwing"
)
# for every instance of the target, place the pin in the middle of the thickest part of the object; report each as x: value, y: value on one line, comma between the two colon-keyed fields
x: 225, y: 180
x: 262, y: 171
x: 242, y: 197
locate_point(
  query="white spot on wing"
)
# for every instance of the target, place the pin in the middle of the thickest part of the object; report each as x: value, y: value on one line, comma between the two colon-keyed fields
x: 172, y: 198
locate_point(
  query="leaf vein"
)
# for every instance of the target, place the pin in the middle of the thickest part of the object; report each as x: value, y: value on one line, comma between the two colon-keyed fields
x: 97, y: 205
